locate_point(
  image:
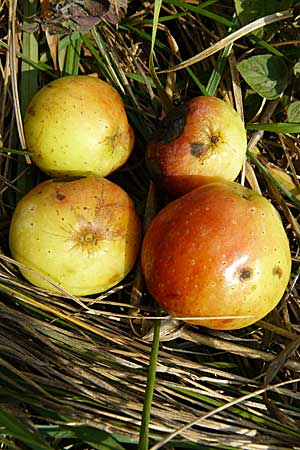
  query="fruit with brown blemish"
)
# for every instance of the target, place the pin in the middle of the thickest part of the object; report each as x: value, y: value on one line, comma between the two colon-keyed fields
x: 199, y: 142
x: 217, y: 257
x: 77, y: 125
x: 83, y: 235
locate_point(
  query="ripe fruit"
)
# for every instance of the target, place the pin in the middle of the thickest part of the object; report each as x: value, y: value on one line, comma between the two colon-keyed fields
x: 219, y: 250
x: 200, y: 142
x: 77, y: 125
x: 83, y: 234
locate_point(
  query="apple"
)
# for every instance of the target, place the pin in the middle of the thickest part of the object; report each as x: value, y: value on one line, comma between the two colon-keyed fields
x: 77, y: 126
x: 217, y: 257
x: 83, y: 235
x: 199, y: 142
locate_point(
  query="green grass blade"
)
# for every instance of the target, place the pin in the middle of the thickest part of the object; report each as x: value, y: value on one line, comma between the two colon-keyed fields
x: 144, y: 429
x: 29, y: 75
x: 72, y: 44
x: 200, y: 9
x: 110, y: 71
x: 275, y: 127
x: 97, y: 439
x: 165, y: 101
x: 16, y: 430
x: 217, y: 72
x: 276, y: 183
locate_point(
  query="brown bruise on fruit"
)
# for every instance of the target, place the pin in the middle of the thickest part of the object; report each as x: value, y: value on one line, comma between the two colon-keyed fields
x: 206, y: 144
x: 171, y: 126
x: 169, y: 129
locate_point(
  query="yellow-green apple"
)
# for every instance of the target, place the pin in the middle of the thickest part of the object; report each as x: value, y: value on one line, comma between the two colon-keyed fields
x: 201, y: 141
x: 82, y: 234
x: 217, y: 256
x: 78, y: 126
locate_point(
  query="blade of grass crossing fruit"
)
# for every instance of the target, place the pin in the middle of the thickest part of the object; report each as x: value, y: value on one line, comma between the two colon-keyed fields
x: 144, y: 429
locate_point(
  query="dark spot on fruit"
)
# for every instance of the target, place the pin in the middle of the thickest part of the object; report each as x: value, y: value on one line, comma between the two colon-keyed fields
x: 214, y: 139
x: 171, y: 127
x: 31, y: 110
x: 198, y: 148
x: 277, y: 271
x: 59, y: 196
x: 245, y: 197
x: 245, y: 274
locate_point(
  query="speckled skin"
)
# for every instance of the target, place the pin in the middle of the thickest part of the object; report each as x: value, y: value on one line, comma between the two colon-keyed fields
x: 77, y: 125
x: 200, y: 142
x: 84, y: 235
x: 220, y: 250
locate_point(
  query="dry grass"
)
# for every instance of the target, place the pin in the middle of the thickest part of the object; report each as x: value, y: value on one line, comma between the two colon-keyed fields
x: 68, y: 361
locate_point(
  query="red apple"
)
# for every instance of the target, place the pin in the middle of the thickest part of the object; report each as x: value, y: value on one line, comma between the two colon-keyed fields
x: 77, y: 125
x: 199, y: 142
x: 83, y: 235
x: 217, y: 252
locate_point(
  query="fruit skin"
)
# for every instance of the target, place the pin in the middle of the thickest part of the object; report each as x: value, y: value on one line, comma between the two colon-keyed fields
x: 220, y: 250
x: 199, y: 142
x: 84, y: 234
x: 77, y: 126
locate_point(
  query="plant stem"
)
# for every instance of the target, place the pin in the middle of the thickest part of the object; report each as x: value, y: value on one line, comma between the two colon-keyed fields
x: 144, y: 430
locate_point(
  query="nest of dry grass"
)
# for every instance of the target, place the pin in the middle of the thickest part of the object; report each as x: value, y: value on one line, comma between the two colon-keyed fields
x: 69, y: 361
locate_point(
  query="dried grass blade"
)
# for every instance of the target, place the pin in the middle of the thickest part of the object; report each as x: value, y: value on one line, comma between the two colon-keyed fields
x: 14, y: 71
x: 215, y: 411
x: 233, y: 347
x: 249, y: 28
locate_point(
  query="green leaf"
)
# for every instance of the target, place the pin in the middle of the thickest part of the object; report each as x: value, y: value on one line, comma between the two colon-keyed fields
x: 293, y: 112
x: 296, y: 69
x: 250, y: 10
x: 16, y: 430
x: 98, y: 439
x: 265, y: 74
